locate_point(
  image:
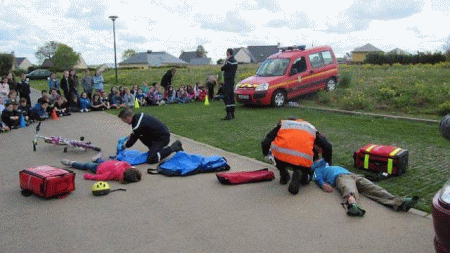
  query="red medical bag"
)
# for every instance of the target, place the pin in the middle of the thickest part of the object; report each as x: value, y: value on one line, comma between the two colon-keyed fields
x: 380, y: 158
x: 242, y: 177
x: 47, y: 181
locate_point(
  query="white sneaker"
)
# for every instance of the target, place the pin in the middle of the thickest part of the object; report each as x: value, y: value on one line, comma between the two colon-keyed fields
x: 66, y: 162
x: 96, y: 157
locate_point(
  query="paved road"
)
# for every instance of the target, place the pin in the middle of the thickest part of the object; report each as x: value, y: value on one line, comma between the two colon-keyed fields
x: 190, y: 214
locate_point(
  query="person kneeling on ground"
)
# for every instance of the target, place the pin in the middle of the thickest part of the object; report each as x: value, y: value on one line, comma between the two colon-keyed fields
x: 292, y: 143
x: 107, y: 170
x: 350, y: 184
x: 152, y: 133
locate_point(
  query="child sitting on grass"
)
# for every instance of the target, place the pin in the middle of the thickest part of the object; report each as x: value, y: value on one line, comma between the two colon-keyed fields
x: 61, y: 107
x: 40, y: 109
x: 112, y: 170
x: 10, y: 116
x: 85, y: 102
x: 140, y: 96
x: 98, y: 104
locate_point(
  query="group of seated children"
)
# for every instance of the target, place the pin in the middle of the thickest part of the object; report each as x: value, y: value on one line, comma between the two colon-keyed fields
x: 154, y: 95
x: 144, y: 96
x: 12, y: 109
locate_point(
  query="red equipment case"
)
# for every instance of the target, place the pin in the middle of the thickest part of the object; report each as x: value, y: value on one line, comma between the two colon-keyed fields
x: 381, y: 158
x: 242, y: 177
x: 47, y: 181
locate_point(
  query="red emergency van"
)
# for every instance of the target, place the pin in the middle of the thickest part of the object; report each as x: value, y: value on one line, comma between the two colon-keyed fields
x: 292, y: 72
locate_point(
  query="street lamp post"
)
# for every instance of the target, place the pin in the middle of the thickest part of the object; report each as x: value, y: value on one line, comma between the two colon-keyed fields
x: 113, y: 18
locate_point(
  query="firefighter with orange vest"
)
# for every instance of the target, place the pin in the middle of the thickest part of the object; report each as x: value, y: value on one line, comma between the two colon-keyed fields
x: 295, y: 144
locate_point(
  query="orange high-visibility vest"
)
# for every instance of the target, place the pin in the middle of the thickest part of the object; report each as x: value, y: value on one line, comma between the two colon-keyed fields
x: 294, y: 143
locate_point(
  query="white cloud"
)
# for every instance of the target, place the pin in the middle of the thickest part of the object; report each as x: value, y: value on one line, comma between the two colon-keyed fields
x: 181, y: 25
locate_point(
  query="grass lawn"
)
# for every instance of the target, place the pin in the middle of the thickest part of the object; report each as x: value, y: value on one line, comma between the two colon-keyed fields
x: 428, y: 151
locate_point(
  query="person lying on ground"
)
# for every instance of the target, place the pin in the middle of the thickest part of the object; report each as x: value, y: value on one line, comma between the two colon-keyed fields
x: 112, y: 170
x: 350, y: 184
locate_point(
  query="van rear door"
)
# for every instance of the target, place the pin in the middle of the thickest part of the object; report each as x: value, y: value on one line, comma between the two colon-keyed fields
x: 321, y: 64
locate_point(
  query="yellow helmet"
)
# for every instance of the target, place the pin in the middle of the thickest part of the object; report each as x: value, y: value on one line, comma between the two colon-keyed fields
x: 101, y: 188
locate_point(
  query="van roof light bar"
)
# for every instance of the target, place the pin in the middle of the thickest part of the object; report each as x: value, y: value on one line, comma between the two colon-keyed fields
x: 291, y: 48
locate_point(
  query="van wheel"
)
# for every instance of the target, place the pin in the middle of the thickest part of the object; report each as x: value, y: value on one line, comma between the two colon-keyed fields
x: 331, y: 85
x: 279, y: 98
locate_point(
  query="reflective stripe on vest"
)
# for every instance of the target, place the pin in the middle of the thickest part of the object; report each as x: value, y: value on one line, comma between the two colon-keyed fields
x: 298, y: 125
x: 291, y: 152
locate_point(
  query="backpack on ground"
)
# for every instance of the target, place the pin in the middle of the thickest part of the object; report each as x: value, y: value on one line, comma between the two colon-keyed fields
x: 184, y: 164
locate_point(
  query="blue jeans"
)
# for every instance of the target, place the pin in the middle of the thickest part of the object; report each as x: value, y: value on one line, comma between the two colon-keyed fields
x: 91, y: 166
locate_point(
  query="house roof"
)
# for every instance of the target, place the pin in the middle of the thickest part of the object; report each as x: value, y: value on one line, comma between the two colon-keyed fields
x: 367, y: 48
x: 260, y: 53
x: 187, y: 56
x: 247, y: 52
x: 20, y: 60
x: 191, y: 57
x: 200, y: 61
x: 154, y: 59
x: 235, y: 50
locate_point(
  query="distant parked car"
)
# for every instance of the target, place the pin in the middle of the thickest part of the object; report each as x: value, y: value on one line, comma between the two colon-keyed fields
x: 441, y: 219
x: 39, y: 74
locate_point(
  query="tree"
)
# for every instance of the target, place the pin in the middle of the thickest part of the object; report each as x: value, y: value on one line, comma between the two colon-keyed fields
x: 6, y: 62
x: 201, y: 53
x: 65, y: 58
x: 348, y: 56
x: 128, y: 53
x: 47, y: 51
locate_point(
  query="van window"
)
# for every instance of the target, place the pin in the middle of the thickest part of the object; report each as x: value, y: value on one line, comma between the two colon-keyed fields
x: 273, y: 67
x: 327, y: 58
x: 299, y: 65
x: 316, y: 61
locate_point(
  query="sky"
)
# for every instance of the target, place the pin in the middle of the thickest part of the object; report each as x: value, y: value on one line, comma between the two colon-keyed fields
x: 174, y: 26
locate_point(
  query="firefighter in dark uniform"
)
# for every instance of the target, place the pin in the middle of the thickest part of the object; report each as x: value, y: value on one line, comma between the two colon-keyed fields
x: 229, y: 72
x: 294, y: 143
x: 152, y: 133
x: 166, y: 80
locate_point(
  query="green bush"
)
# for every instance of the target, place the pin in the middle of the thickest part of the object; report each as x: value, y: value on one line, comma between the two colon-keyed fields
x: 443, y: 109
x: 346, y: 80
x: 324, y: 97
x: 355, y: 101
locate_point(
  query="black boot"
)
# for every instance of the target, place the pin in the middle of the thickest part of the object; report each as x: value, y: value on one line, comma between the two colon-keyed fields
x: 294, y: 186
x: 306, y: 178
x: 232, y: 111
x: 284, y: 176
x: 228, y: 117
x: 176, y: 146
